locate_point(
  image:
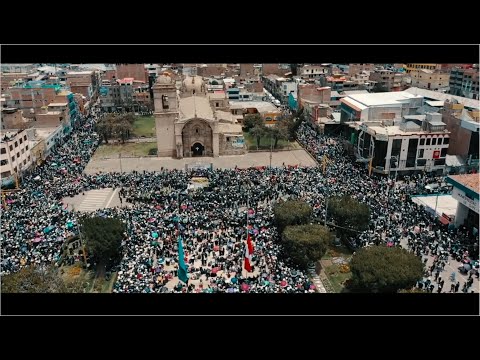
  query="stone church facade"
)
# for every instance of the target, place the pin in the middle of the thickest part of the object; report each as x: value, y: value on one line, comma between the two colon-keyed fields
x: 190, y: 122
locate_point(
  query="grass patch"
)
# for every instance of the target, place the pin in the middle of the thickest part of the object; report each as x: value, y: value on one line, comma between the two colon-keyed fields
x: 144, y: 126
x: 127, y: 149
x: 266, y: 141
x: 337, y: 274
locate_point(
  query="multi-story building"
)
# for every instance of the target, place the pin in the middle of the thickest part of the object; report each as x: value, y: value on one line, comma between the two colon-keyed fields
x: 18, y: 68
x: 388, y: 79
x: 275, y: 69
x: 84, y: 82
x: 429, y: 79
x: 12, y: 119
x: 279, y: 87
x: 312, y: 71
x: 416, y: 143
x: 31, y: 96
x: 53, y: 115
x: 136, y: 71
x: 8, y: 80
x: 125, y: 95
x: 411, y: 67
x: 464, y: 130
x: 51, y: 137
x: 464, y: 82
x: 379, y: 106
x: 247, y: 70
x: 314, y: 94
x: 14, y: 152
x: 354, y: 69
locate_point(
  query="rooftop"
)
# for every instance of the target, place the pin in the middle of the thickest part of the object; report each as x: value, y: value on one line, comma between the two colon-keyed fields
x: 261, y: 106
x: 386, y: 98
x: 58, y: 104
x: 470, y: 103
x: 79, y: 72
x: 471, y: 181
x: 45, y: 132
x: 195, y: 106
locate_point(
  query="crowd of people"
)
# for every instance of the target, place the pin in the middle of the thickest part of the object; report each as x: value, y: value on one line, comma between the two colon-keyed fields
x: 212, y: 221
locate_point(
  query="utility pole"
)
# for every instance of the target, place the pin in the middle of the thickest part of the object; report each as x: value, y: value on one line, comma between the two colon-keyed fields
x: 120, y: 159
x: 271, y: 150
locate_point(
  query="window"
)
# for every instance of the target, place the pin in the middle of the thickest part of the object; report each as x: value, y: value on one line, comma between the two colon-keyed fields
x: 420, y: 153
x: 26, y: 147
x: 16, y: 143
x: 18, y: 154
x: 443, y: 152
x: 196, y: 131
x: 422, y: 141
x: 11, y: 147
x: 15, y: 169
x: 25, y: 138
x: 228, y: 138
x: 3, y: 151
x: 428, y: 141
x: 439, y: 141
x: 28, y: 158
x: 434, y: 141
x: 23, y: 151
x: 217, y: 104
x: 446, y: 141
x: 24, y: 162
x: 13, y: 158
x: 21, y: 141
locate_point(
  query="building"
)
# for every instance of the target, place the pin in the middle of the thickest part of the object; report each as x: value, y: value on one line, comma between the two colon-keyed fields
x: 54, y: 115
x: 466, y: 192
x: 8, y: 80
x: 388, y: 79
x: 275, y: 69
x: 247, y: 70
x: 464, y: 83
x: 354, y: 69
x: 430, y: 79
x: 12, y: 119
x: 136, y: 71
x: 18, y: 68
x: 464, y: 130
x: 31, y: 96
x: 84, y: 82
x: 267, y: 110
x: 14, y: 152
x: 429, y: 95
x: 312, y: 72
x: 313, y: 93
x: 51, y: 137
x: 412, y: 67
x: 416, y: 143
x: 191, y: 123
x: 125, y: 95
x: 379, y: 106
x: 211, y: 70
x: 336, y: 81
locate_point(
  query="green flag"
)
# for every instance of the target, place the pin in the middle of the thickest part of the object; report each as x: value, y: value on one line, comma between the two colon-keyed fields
x: 182, y: 268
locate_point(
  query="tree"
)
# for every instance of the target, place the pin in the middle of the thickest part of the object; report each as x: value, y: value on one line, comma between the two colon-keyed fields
x: 252, y: 120
x: 257, y: 132
x: 378, y: 88
x: 278, y: 132
x: 34, y: 279
x: 103, y: 238
x: 291, y: 212
x: 306, y: 243
x: 384, y: 269
x: 349, y: 213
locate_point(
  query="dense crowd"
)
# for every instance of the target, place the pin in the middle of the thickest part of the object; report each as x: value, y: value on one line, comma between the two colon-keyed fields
x: 212, y: 221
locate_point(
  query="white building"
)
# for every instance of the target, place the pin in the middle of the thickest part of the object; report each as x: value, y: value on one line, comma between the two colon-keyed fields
x: 14, y: 152
x: 416, y: 143
x: 52, y: 136
x: 466, y: 192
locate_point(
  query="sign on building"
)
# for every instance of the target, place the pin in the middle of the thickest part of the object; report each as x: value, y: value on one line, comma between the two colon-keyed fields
x: 436, y: 154
x: 239, y: 142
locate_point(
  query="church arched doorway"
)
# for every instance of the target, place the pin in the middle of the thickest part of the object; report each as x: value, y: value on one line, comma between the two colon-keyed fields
x: 198, y: 149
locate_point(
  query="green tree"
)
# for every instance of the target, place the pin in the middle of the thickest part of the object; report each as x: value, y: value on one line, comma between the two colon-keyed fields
x: 378, y: 88
x: 291, y: 212
x: 33, y: 279
x: 349, y: 213
x: 306, y: 243
x: 384, y: 269
x: 103, y: 238
x: 252, y: 120
x: 258, y: 132
x: 278, y: 132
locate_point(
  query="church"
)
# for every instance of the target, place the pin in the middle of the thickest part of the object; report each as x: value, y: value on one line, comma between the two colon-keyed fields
x: 191, y: 122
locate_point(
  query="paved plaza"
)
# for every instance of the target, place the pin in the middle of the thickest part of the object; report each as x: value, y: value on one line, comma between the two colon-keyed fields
x: 252, y: 159
x: 93, y: 200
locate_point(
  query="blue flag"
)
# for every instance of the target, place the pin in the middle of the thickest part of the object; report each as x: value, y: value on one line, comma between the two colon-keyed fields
x: 182, y: 268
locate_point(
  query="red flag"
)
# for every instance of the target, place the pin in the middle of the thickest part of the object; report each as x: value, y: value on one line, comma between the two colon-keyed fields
x: 248, y: 254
